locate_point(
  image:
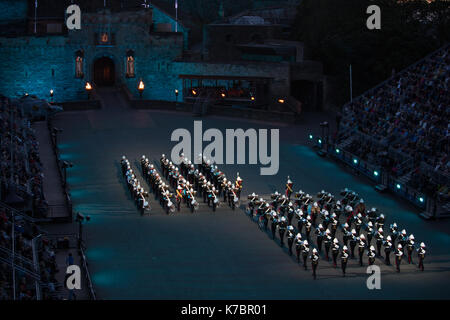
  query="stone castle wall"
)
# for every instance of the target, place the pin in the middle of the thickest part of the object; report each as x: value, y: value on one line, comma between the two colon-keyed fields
x: 35, y: 65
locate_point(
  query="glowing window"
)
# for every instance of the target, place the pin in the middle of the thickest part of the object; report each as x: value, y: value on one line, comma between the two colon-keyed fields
x: 130, y: 67
x: 79, y: 67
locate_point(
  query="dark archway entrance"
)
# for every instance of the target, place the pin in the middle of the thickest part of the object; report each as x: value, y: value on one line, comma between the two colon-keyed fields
x: 104, y: 73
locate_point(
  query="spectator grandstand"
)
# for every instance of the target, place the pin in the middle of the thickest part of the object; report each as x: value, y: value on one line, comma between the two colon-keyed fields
x: 402, y: 127
x: 30, y: 258
x: 21, y: 174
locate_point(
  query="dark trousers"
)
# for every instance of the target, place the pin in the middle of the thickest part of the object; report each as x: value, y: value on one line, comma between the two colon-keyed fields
x: 314, y: 267
x: 397, y: 263
x: 281, y: 233
x: 335, y: 254
x: 409, y: 255
x: 290, y: 242
x: 421, y: 263
x: 273, y: 228
x: 343, y: 266
x: 387, y: 258
x: 327, y: 249
x: 319, y: 244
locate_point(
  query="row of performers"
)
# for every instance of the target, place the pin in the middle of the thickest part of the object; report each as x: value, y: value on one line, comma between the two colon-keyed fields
x: 138, y: 193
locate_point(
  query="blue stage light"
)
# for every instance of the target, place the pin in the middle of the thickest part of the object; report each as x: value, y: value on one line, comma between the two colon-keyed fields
x: 355, y: 161
x: 375, y: 173
x: 398, y: 186
x: 337, y: 150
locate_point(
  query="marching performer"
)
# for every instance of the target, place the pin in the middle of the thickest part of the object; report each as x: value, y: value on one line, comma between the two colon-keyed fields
x: 398, y: 256
x: 361, y: 248
x: 335, y: 251
x: 371, y: 254
x: 298, y: 245
x: 305, y: 252
x: 344, y: 259
x: 314, y: 262
x: 410, y: 247
x: 421, y: 253
x: 388, y: 245
x: 289, y: 190
x: 282, y: 225
x: 290, y: 238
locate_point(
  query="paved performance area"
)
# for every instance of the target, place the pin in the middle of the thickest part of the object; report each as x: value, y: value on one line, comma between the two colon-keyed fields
x: 221, y: 255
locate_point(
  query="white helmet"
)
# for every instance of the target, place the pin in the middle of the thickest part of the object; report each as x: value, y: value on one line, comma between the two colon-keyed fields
x: 394, y: 225
x: 290, y: 228
x: 344, y: 248
x: 315, y: 204
x: 372, y: 248
x: 362, y: 237
x: 314, y: 250
x: 400, y: 246
x: 123, y: 157
x: 388, y: 238
x: 380, y: 229
x: 346, y: 225
x: 143, y: 157
x: 305, y: 242
x: 422, y: 245
x: 336, y: 240
x: 320, y: 226
x: 361, y: 201
x: 370, y: 224
x: 327, y: 231
x: 283, y: 218
x: 411, y: 237
x: 353, y: 231
x: 382, y: 216
x: 404, y: 232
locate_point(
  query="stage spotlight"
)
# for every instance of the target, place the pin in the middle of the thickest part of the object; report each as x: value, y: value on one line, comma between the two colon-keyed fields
x: 320, y: 141
x: 421, y: 199
x: 337, y: 150
x: 398, y: 186
x: 310, y: 136
x: 355, y: 161
x: 375, y: 173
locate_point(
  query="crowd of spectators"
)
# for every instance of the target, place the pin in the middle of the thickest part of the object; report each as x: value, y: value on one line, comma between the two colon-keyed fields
x: 21, y: 175
x: 20, y: 165
x: 24, y: 232
x: 409, y: 115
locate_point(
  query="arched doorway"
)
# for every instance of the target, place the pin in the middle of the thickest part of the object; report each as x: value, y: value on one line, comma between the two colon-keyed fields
x: 104, y: 74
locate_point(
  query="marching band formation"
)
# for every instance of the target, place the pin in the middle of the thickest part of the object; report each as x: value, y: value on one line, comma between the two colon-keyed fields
x: 184, y: 183
x: 335, y: 229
